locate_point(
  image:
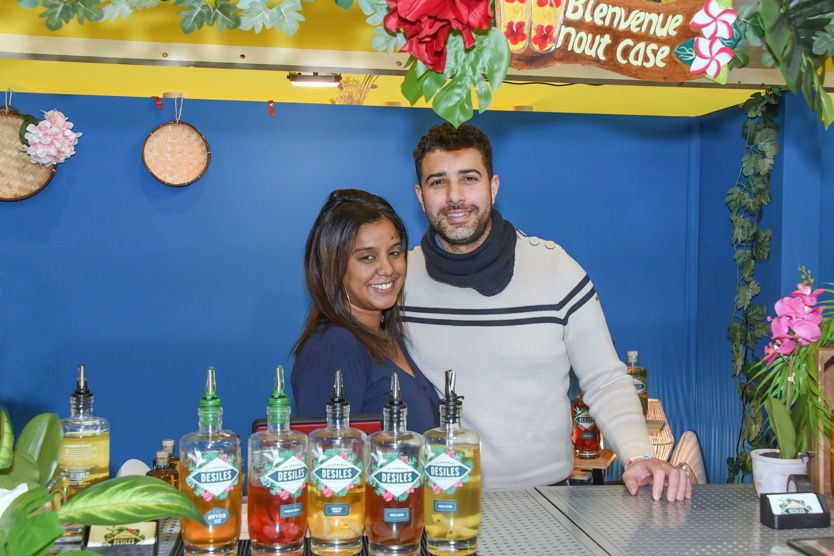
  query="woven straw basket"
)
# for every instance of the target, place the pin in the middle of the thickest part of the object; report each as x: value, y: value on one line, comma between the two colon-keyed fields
x: 176, y: 154
x: 19, y: 177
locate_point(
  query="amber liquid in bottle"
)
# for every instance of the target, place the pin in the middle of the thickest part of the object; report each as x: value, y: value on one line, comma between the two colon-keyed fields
x: 586, y: 440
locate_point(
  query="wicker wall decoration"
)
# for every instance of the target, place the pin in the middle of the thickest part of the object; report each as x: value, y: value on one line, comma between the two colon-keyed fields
x: 19, y: 176
x: 176, y: 153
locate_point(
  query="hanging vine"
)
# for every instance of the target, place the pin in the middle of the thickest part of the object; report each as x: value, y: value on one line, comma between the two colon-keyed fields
x: 751, y: 244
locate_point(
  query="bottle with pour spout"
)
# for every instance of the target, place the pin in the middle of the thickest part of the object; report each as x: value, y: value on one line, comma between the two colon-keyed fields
x: 336, y: 494
x: 277, y: 503
x: 84, y: 457
x: 394, y: 495
x: 211, y: 464
x: 452, y: 457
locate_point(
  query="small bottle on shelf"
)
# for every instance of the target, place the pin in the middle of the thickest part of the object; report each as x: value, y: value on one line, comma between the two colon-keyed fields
x: 173, y: 460
x: 586, y: 440
x: 639, y: 376
x: 162, y: 471
x: 277, y: 504
x: 452, y: 458
x: 394, y: 496
x: 84, y: 458
x: 336, y: 511
x: 211, y: 464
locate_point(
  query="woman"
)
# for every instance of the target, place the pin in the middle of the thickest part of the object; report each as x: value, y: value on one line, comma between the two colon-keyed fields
x: 354, y: 267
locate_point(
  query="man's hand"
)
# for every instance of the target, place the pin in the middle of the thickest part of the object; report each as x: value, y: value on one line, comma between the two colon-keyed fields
x: 658, y: 474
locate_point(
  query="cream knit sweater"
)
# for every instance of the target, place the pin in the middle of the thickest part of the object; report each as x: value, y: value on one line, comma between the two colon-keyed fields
x: 512, y: 353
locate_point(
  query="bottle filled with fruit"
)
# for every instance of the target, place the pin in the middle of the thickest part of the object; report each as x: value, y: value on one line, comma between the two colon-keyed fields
x: 277, y: 503
x: 394, y: 495
x: 336, y: 495
x: 211, y: 464
x: 452, y: 460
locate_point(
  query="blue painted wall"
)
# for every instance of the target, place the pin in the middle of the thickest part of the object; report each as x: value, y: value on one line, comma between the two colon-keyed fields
x: 148, y: 285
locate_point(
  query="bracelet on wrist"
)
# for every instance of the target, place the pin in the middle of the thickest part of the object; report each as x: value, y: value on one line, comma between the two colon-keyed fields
x: 635, y: 459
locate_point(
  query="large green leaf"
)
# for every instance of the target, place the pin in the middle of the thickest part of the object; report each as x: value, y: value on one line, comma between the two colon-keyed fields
x: 6, y: 440
x: 453, y: 102
x: 41, y: 439
x: 127, y: 500
x: 780, y: 421
x: 23, y: 470
x: 22, y: 535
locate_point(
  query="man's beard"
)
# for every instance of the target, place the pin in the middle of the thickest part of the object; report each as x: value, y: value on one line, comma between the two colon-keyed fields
x: 465, y: 234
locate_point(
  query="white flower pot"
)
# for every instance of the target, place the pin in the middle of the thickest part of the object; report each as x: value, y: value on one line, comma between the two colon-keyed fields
x: 770, y: 474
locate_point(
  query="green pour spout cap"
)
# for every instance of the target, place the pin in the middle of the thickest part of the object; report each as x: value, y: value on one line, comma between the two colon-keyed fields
x: 210, y: 399
x: 338, y: 400
x: 278, y: 402
x: 82, y: 398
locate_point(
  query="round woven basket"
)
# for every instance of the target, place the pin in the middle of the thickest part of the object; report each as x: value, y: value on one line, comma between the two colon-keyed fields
x: 176, y: 154
x: 19, y: 177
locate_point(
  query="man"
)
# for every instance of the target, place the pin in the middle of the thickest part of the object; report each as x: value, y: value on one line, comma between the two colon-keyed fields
x: 512, y: 315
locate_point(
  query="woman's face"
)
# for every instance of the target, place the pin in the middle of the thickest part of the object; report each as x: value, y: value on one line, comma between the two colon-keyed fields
x: 375, y: 271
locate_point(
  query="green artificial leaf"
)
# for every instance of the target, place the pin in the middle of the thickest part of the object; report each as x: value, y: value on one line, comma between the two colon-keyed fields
x: 492, y: 54
x: 127, y: 500
x: 484, y: 94
x: 58, y: 12
x: 23, y: 470
x: 41, y: 438
x: 22, y: 535
x: 780, y: 421
x: 766, y: 58
x: 376, y: 10
x: 433, y: 82
x: 287, y: 16
x: 28, y: 4
x: 453, y: 102
x: 824, y: 42
x: 741, y: 58
x: 826, y: 110
x: 748, y: 163
x: 764, y: 164
x: 88, y: 10
x: 733, y: 198
x: 143, y: 4
x: 256, y: 15
x: 790, y: 66
x: 344, y: 4
x: 721, y: 78
x: 764, y: 136
x: 194, y: 15
x: 779, y: 35
x: 770, y: 149
x: 383, y: 41
x: 116, y: 9
x: 6, y: 440
x: 412, y: 85
x: 225, y: 15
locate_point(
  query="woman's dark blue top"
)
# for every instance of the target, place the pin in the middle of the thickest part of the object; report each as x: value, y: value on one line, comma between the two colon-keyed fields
x: 367, y: 383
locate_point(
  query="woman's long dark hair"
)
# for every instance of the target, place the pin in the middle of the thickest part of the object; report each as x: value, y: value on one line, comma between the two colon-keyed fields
x: 326, y: 256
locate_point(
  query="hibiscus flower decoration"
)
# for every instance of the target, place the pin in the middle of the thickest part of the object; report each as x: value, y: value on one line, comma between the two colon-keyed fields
x: 543, y: 38
x: 714, y: 20
x: 426, y: 24
x: 710, y: 56
x: 516, y: 32
x: 552, y: 3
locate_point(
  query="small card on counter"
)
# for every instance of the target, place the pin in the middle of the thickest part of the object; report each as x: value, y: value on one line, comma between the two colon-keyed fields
x: 794, y: 510
x: 115, y: 540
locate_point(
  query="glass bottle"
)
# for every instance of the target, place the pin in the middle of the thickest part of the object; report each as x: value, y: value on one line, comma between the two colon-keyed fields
x: 84, y: 458
x: 277, y: 504
x: 173, y: 460
x: 586, y: 440
x: 336, y: 511
x: 394, y: 495
x: 640, y: 377
x: 162, y: 471
x: 211, y: 464
x: 452, y: 458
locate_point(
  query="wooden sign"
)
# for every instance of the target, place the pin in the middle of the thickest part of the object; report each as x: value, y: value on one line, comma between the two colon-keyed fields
x: 638, y: 38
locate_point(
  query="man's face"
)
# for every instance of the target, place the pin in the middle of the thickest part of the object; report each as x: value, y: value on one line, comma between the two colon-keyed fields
x: 457, y: 197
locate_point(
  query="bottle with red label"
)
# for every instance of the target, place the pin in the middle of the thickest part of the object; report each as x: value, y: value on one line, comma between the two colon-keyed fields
x: 585, y: 431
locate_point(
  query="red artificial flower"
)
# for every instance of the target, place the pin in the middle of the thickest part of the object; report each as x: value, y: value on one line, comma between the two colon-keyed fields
x: 543, y: 38
x: 426, y: 25
x: 516, y: 32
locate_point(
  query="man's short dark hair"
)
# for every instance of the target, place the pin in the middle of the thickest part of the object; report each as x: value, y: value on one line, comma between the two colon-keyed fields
x: 448, y: 138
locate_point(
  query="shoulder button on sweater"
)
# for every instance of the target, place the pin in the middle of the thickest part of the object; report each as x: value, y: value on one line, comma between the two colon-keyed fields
x: 550, y: 244
x: 534, y: 241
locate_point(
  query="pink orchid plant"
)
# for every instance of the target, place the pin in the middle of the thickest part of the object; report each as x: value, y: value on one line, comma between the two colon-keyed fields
x: 795, y: 403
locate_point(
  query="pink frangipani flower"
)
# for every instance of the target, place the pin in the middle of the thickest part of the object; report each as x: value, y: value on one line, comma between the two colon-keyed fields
x: 715, y: 21
x: 710, y: 56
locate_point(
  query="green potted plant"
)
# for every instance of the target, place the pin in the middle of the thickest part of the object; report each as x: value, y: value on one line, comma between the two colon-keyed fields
x: 28, y: 524
x: 795, y: 403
